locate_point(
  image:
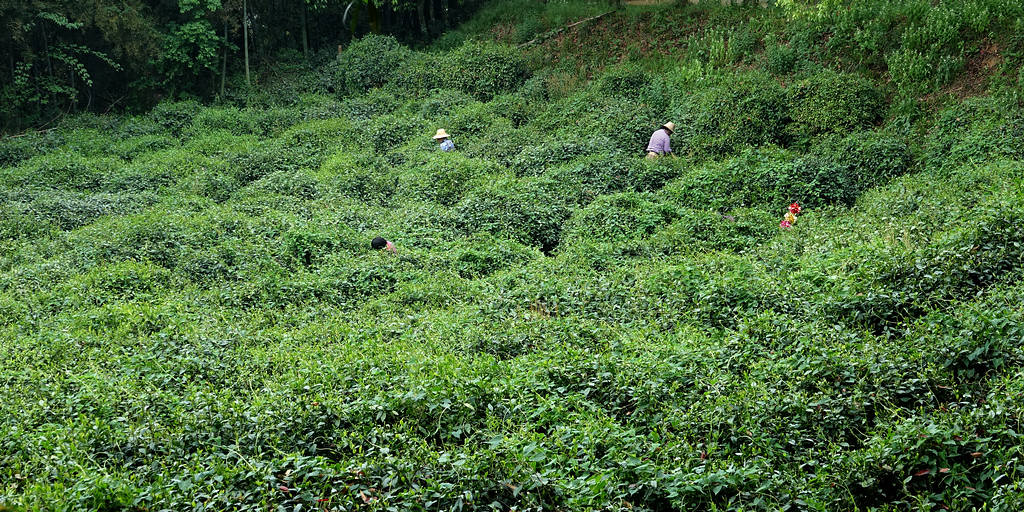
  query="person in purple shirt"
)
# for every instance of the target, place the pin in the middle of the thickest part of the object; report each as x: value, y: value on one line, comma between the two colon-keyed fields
x: 659, y: 144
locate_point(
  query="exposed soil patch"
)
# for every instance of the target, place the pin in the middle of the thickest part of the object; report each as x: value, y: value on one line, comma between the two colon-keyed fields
x: 503, y: 32
x: 591, y: 47
x: 978, y: 68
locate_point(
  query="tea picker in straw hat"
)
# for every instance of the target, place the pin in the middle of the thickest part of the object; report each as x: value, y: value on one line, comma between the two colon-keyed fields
x: 659, y: 144
x: 446, y: 142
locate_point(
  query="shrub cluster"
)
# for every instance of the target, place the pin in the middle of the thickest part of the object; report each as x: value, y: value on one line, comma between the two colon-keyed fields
x: 830, y: 102
x: 369, y: 62
x: 480, y: 69
x: 748, y: 110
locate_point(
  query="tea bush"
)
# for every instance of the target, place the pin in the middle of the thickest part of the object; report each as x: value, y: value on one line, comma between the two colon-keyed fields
x: 215, y: 183
x: 471, y: 120
x: 175, y: 117
x: 838, y: 173
x: 299, y: 184
x: 975, y: 130
x: 307, y: 247
x: 484, y: 69
x: 136, y: 126
x: 61, y: 170
x: 72, y: 210
x: 151, y: 236
x: 371, y: 105
x: 751, y: 109
x: 157, y: 169
x: 780, y: 59
x: 445, y: 177
x: 517, y: 108
x: 628, y: 82
x: 220, y: 143
x: 619, y: 217
x: 749, y: 179
x: 605, y: 173
x: 388, y: 132
x: 369, y: 62
x: 420, y: 76
x: 320, y: 106
x: 136, y: 146
x: 360, y: 176
x: 229, y: 119
x: 444, y: 103
x: 126, y: 281
x: 527, y: 211
x: 695, y: 231
x: 21, y: 223
x: 626, y: 123
x: 830, y: 102
x: 321, y: 136
x: 483, y: 255
x: 535, y: 160
x: 501, y: 144
x: 14, y: 150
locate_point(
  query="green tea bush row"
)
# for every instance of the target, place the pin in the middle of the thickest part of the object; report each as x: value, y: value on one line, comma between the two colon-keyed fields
x: 445, y: 178
x: 750, y: 109
x: 534, y: 160
x: 71, y: 210
x: 61, y: 170
x: 369, y: 62
x: 835, y: 103
x: 527, y: 211
x: 837, y: 171
x: 481, y: 69
x: 358, y: 175
x: 974, y: 131
x: 921, y: 48
x: 14, y: 150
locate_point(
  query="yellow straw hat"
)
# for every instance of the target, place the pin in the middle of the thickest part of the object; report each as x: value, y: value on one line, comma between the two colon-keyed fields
x: 441, y: 134
x: 670, y: 126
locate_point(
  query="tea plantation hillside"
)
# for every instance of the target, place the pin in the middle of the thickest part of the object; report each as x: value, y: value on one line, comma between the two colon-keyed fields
x: 192, y: 317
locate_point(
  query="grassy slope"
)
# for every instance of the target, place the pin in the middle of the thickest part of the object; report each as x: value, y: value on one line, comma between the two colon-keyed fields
x: 191, y: 317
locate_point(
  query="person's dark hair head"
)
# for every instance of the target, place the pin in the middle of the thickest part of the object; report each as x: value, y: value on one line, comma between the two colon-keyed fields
x: 378, y: 243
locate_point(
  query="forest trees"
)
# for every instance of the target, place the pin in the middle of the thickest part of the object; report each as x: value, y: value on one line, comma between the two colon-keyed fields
x: 61, y: 56
x: 191, y: 44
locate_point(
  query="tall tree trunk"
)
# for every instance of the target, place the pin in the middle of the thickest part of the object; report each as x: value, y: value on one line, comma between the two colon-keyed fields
x: 374, y: 15
x: 245, y: 37
x: 420, y: 8
x: 432, y: 17
x: 49, y: 62
x: 71, y: 77
x: 224, y: 64
x: 444, y: 13
x: 305, y: 38
x: 353, y: 22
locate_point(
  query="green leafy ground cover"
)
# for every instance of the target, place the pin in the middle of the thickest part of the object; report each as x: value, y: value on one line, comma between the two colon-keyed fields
x: 192, y: 318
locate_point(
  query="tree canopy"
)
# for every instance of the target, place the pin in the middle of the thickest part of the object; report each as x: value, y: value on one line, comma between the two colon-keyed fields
x: 61, y: 56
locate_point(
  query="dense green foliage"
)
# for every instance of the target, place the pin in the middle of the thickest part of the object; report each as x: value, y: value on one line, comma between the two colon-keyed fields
x: 61, y: 56
x: 192, y: 317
